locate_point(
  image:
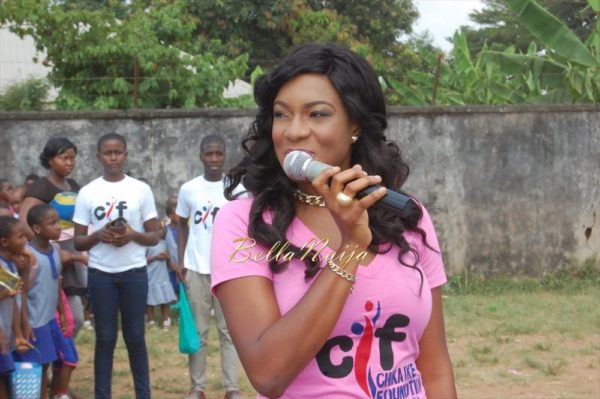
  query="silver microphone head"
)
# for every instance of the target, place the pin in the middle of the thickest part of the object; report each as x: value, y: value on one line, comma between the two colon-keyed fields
x: 294, y: 165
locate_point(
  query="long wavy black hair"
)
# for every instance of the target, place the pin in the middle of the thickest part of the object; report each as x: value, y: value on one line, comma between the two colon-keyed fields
x: 262, y: 175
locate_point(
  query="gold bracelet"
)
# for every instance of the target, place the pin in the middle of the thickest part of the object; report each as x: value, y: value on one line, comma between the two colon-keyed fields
x: 341, y: 272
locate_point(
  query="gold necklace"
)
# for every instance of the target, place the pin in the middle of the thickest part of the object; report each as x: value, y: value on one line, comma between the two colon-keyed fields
x: 312, y: 200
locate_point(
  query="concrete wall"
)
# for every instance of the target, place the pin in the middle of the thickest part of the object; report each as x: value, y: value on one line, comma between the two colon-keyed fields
x: 511, y: 190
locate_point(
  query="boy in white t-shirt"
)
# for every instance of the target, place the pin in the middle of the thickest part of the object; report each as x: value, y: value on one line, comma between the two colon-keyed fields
x: 199, y: 201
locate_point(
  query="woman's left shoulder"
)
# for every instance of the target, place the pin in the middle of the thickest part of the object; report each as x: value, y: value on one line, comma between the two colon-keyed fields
x: 425, y: 221
x: 425, y: 236
x: 75, y: 187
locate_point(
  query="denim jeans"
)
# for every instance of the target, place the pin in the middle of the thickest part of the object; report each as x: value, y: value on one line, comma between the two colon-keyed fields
x: 110, y: 293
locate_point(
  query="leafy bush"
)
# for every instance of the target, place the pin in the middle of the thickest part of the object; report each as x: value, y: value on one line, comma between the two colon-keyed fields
x: 29, y: 95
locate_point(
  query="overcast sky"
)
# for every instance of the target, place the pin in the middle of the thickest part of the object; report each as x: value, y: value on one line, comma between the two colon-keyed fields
x: 442, y: 17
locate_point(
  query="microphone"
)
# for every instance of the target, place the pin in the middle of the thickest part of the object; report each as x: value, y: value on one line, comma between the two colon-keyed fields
x: 300, y: 166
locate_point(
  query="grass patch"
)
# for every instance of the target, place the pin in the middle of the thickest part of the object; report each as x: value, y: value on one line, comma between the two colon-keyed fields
x: 507, y: 338
x: 568, y: 278
x: 483, y: 354
x: 542, y: 347
x: 552, y: 368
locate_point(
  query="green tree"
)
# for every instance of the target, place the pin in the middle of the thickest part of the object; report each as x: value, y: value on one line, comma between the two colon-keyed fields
x: 114, y: 54
x: 500, y: 28
x: 268, y: 29
x: 567, y: 71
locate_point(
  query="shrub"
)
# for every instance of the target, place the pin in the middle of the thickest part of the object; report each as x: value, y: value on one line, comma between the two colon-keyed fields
x: 29, y: 95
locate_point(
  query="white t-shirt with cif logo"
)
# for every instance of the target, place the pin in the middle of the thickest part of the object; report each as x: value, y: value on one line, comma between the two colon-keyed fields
x: 100, y: 202
x: 199, y: 201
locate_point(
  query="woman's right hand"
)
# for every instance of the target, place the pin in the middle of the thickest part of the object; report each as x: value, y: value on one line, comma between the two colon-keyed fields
x: 352, y: 219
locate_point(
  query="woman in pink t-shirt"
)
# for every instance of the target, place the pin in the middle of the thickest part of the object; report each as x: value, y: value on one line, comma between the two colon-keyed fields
x: 326, y: 292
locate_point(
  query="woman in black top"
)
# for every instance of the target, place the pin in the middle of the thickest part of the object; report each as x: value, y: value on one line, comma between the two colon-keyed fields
x: 60, y: 191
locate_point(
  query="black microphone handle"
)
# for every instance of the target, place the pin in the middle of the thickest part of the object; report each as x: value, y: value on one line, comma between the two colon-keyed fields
x: 392, y: 201
x: 301, y: 166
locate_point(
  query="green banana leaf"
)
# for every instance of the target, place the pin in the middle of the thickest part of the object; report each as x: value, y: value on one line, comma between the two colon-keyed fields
x: 552, y: 32
x: 410, y: 95
x: 421, y: 78
x: 549, y: 72
x: 556, y: 96
x: 595, y: 4
x: 593, y: 40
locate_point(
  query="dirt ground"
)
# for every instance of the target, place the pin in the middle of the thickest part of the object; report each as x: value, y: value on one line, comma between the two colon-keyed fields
x: 528, y: 367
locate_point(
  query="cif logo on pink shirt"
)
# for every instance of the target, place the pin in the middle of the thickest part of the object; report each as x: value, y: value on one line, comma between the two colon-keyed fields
x: 369, y: 335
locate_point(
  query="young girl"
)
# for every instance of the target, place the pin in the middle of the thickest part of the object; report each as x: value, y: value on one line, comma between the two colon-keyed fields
x: 122, y: 213
x: 171, y: 239
x: 43, y: 296
x: 160, y: 290
x: 12, y: 245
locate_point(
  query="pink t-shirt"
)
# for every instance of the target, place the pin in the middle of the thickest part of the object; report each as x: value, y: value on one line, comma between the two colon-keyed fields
x: 372, y: 350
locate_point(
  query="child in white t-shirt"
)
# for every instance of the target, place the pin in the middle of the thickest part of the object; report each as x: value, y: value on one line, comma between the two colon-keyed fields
x: 122, y: 213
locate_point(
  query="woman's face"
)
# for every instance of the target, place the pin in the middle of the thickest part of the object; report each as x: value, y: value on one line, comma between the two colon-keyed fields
x: 64, y: 163
x: 309, y: 115
x: 112, y: 156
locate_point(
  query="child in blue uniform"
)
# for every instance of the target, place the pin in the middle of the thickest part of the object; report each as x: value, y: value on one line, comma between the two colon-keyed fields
x: 43, y: 296
x: 12, y: 245
x: 160, y: 289
x: 171, y: 240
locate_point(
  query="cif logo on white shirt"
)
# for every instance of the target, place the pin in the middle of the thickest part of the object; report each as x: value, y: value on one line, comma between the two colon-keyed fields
x: 202, y: 215
x: 102, y: 212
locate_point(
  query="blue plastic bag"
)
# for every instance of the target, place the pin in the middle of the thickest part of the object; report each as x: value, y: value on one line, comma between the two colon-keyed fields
x: 189, y: 341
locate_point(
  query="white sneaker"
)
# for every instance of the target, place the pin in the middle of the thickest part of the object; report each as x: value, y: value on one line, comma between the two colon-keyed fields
x: 167, y: 324
x: 88, y: 325
x: 63, y: 396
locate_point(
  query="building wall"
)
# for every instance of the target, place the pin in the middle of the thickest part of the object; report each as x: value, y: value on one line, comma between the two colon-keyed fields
x: 16, y: 59
x: 512, y: 190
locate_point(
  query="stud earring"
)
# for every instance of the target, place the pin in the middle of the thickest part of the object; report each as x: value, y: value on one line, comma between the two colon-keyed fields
x: 354, y: 139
